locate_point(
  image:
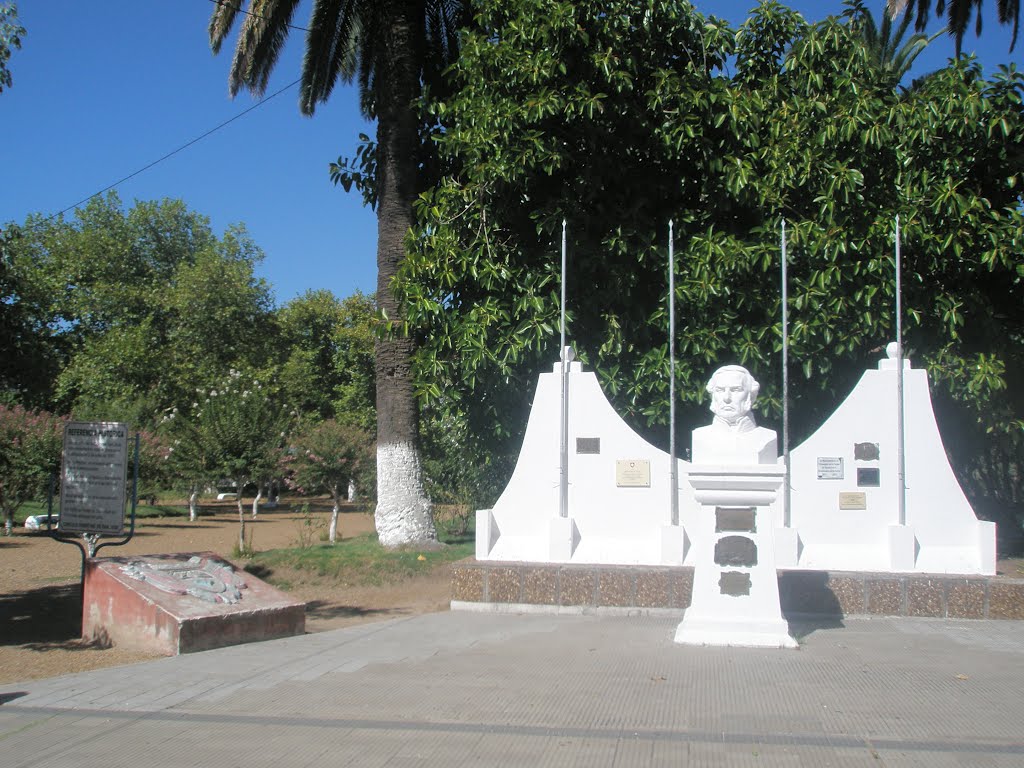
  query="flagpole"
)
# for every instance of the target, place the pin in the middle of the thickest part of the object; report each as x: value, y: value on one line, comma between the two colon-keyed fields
x: 787, y: 498
x: 900, y: 455
x: 673, y: 478
x: 563, y: 452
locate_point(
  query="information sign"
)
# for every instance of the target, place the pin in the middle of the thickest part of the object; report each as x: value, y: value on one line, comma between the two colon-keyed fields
x: 94, y: 476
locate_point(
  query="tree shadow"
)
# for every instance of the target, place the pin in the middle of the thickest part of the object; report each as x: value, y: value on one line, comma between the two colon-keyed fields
x: 44, y: 616
x: 321, y: 609
x: 6, y: 698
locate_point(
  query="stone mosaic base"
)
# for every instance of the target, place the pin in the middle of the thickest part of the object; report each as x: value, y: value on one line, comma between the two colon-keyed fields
x: 181, y: 603
x: 643, y: 588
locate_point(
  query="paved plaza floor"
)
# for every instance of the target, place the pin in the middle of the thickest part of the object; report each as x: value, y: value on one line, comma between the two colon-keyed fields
x: 472, y: 689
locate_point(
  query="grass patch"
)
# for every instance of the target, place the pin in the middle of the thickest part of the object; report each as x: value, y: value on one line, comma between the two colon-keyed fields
x: 358, y: 561
x: 142, y: 511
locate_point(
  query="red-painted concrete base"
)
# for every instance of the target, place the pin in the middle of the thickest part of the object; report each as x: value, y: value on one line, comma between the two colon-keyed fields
x: 181, y: 603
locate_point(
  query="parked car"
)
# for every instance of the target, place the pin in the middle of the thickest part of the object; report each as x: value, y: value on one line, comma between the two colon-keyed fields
x: 38, y: 522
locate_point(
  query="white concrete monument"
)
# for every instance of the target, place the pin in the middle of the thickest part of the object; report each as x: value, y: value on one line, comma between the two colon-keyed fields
x: 844, y: 481
x: 735, y: 478
x: 618, y: 495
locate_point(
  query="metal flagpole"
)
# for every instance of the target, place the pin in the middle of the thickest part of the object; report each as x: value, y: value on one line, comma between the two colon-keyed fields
x: 900, y: 456
x: 785, y: 380
x: 563, y: 453
x: 673, y: 478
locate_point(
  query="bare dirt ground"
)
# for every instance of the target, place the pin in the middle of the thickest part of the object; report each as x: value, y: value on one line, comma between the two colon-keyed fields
x: 40, y: 606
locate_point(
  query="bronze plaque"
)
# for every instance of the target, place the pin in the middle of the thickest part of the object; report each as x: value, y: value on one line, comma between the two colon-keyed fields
x: 734, y: 519
x: 588, y: 445
x: 734, y: 583
x: 865, y: 451
x: 736, y: 550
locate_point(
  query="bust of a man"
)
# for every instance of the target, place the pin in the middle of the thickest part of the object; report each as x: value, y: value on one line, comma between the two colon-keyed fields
x: 733, y: 437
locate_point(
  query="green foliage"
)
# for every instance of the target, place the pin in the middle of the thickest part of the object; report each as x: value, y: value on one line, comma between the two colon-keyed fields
x: 30, y: 453
x: 11, y: 33
x: 236, y: 431
x: 621, y: 115
x: 103, y: 292
x: 324, y: 457
x: 328, y: 371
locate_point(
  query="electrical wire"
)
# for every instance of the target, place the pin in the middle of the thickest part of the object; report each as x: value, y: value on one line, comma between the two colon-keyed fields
x: 171, y: 154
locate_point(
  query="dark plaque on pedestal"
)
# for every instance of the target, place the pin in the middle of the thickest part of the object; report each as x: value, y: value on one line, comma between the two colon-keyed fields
x: 734, y: 519
x: 734, y: 583
x: 588, y: 445
x: 736, y: 550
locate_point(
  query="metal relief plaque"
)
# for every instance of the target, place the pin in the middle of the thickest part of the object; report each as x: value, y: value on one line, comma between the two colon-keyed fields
x: 734, y: 519
x: 588, y: 445
x: 865, y: 451
x: 867, y: 477
x: 736, y: 550
x: 830, y: 467
x: 633, y: 473
x: 734, y: 583
x: 853, y: 500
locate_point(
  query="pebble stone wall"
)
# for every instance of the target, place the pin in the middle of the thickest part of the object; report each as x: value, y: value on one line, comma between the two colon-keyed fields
x: 647, y: 588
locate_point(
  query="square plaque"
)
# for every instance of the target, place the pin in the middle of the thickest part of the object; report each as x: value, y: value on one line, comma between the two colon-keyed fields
x: 588, y: 445
x: 633, y: 473
x: 830, y: 467
x: 853, y: 500
x: 867, y: 477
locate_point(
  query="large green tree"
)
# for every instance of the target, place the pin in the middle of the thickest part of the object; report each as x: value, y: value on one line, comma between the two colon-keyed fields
x: 619, y: 116
x: 136, y: 308
x: 393, y: 48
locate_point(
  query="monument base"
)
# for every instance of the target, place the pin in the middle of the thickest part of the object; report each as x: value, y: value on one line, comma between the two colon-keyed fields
x: 181, y: 603
x: 737, y: 632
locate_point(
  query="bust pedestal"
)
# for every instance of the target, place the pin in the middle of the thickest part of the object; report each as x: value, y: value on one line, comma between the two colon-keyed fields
x: 735, y: 582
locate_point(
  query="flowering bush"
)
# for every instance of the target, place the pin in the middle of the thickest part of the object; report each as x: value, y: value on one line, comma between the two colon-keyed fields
x: 235, y: 431
x: 30, y: 453
x: 325, y: 458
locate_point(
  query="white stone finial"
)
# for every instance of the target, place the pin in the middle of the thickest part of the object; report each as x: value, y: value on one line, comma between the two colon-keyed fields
x: 568, y: 354
x: 890, y: 350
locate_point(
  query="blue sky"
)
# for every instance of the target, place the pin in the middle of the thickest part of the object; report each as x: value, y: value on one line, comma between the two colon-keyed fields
x: 102, y: 89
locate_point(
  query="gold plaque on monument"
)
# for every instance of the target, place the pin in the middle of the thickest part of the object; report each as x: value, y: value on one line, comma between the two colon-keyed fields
x: 633, y: 473
x: 853, y: 500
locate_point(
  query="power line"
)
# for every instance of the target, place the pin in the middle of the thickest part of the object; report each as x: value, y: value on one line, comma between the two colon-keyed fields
x: 183, y: 147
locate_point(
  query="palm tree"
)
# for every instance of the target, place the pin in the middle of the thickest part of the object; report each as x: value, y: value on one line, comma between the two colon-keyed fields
x: 391, y: 47
x: 958, y: 13
x: 885, y: 45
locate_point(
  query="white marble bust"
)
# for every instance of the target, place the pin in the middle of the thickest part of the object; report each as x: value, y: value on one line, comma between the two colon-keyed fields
x: 733, y: 437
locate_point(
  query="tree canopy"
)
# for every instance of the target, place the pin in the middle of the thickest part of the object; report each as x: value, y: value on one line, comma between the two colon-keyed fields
x: 619, y: 116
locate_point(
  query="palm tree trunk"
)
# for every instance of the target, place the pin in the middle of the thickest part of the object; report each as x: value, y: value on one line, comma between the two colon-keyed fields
x: 403, y: 514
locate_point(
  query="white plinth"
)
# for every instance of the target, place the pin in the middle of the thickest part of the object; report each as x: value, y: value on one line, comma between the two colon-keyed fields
x: 902, y: 548
x: 735, y: 604
x: 563, y: 536
x: 787, y: 548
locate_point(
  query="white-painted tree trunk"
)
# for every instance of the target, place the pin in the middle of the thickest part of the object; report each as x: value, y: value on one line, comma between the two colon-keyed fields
x: 332, y: 533
x: 404, y: 514
x: 351, y: 490
x: 241, y: 519
x: 256, y: 501
x: 193, y: 505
